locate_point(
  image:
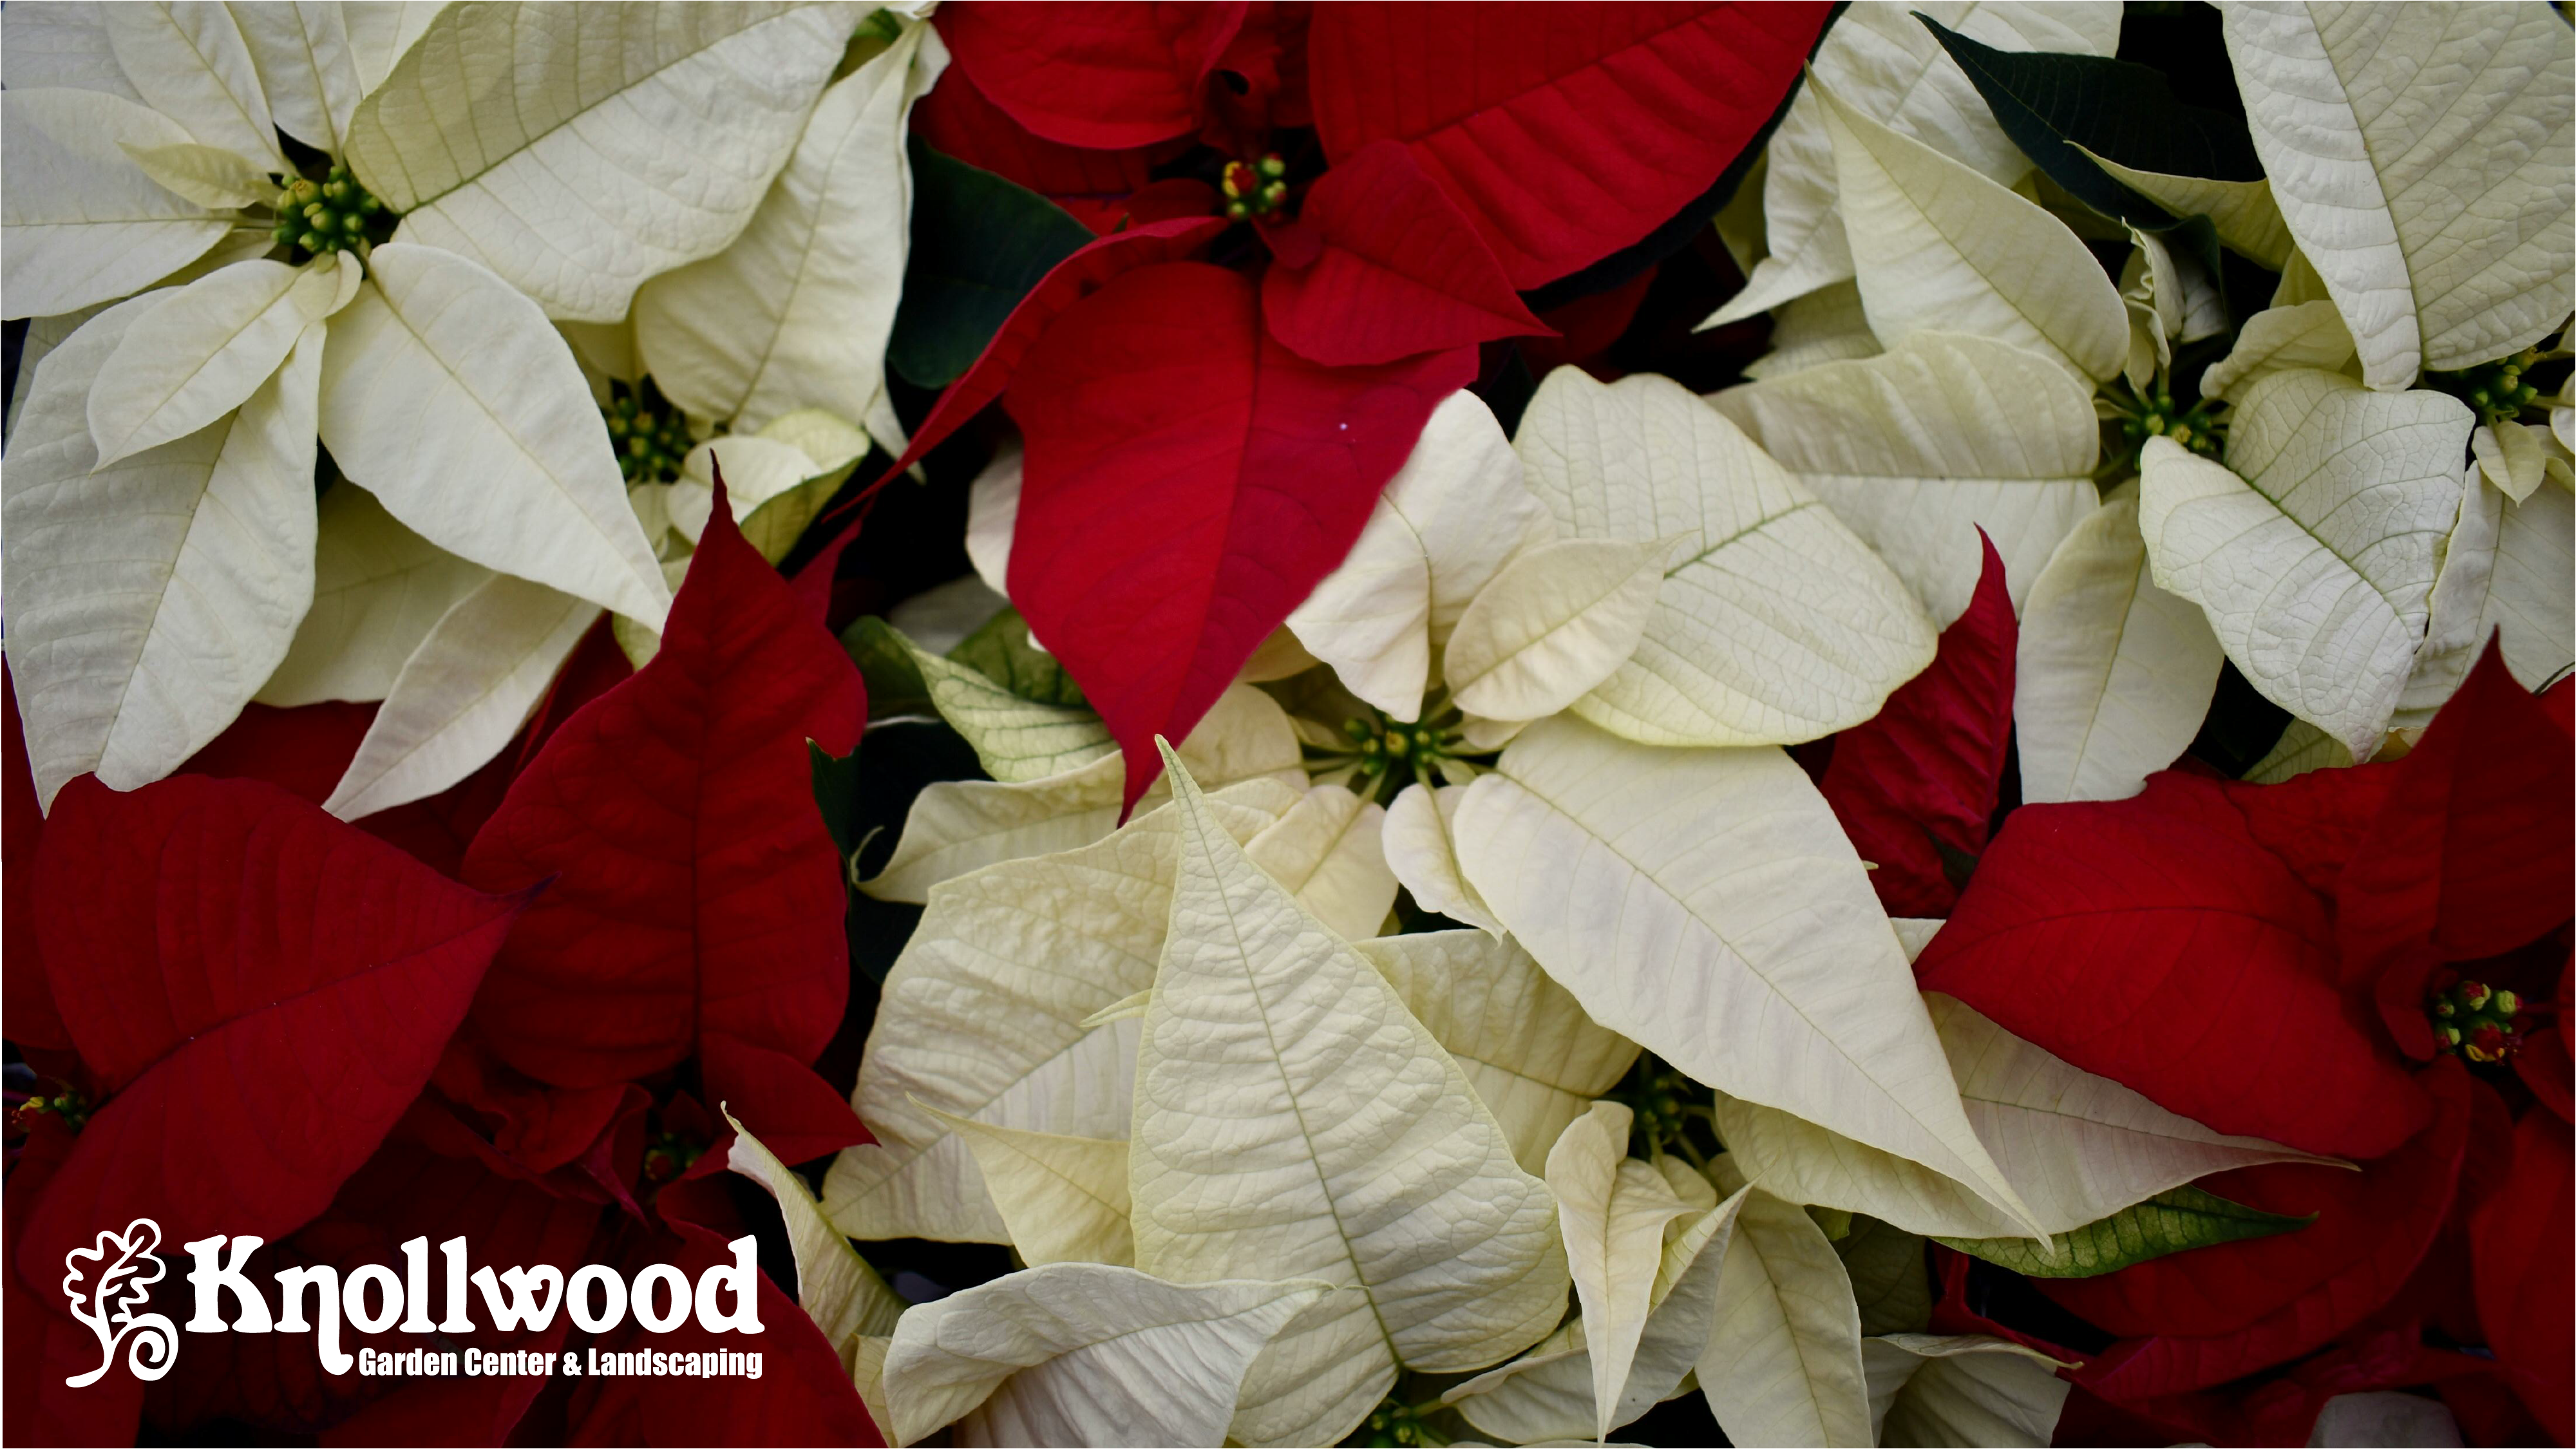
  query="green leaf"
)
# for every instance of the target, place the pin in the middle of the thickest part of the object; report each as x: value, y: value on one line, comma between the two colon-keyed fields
x: 1001, y: 652
x: 1888, y: 1277
x: 884, y: 657
x: 2169, y: 1222
x: 836, y: 791
x: 1014, y: 716
x: 2051, y: 103
x: 979, y: 243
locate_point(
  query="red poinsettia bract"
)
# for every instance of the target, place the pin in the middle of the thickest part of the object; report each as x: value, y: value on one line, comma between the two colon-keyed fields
x: 270, y: 1022
x: 1176, y: 414
x: 2343, y: 963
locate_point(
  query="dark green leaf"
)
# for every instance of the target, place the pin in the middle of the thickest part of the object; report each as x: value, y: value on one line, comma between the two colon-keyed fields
x: 2169, y: 1222
x: 1889, y: 1278
x: 2050, y: 103
x: 1002, y: 653
x: 836, y: 793
x: 979, y: 243
x: 884, y: 657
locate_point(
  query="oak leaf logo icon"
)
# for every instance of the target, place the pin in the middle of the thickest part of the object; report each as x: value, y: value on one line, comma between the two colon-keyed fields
x: 125, y: 1270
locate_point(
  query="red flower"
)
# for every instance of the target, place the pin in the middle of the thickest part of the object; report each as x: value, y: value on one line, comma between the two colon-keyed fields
x: 2342, y: 963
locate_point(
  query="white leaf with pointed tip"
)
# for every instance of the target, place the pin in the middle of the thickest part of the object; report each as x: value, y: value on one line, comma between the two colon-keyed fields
x: 2418, y: 155
x: 2313, y: 552
x: 190, y: 63
x: 1325, y: 851
x: 381, y: 31
x: 1547, y: 1394
x: 2077, y: 1147
x: 577, y: 150
x: 954, y: 826
x: 796, y: 312
x: 1423, y: 855
x: 1613, y: 1210
x: 378, y: 589
x: 1919, y: 448
x: 462, y: 693
x: 834, y: 1285
x: 2308, y: 334
x: 988, y: 1011
x: 1887, y: 64
x: 1826, y: 325
x: 1084, y: 1353
x: 1535, y: 1060
x: 1962, y: 1389
x: 992, y: 513
x: 1783, y: 1361
x: 1062, y: 1199
x: 209, y: 345
x: 1293, y: 1118
x: 1555, y: 623
x: 207, y: 175
x: 1939, y: 247
x: 149, y: 599
x: 2113, y: 675
x: 1444, y: 526
x: 61, y: 44
x: 1706, y: 904
x: 82, y: 222
x: 307, y: 70
x: 448, y: 396
x: 2508, y: 572
x: 1774, y: 623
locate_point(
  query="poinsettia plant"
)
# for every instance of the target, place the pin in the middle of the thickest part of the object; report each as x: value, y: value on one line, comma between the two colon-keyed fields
x: 1292, y: 724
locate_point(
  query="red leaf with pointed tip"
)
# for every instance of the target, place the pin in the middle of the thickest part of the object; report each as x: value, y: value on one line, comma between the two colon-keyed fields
x: 961, y: 122
x: 794, y: 1113
x: 2217, y: 1313
x: 2474, y: 852
x: 1397, y: 270
x: 2154, y: 941
x: 2523, y: 1269
x: 1925, y: 768
x: 1102, y: 74
x: 694, y: 887
x: 1074, y: 278
x: 46, y: 1344
x: 1565, y: 131
x: 1189, y: 481
x: 803, y: 1396
x: 26, y: 1001
x: 260, y: 988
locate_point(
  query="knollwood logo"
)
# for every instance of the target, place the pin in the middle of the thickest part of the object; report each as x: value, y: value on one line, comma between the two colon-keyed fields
x: 108, y: 1282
